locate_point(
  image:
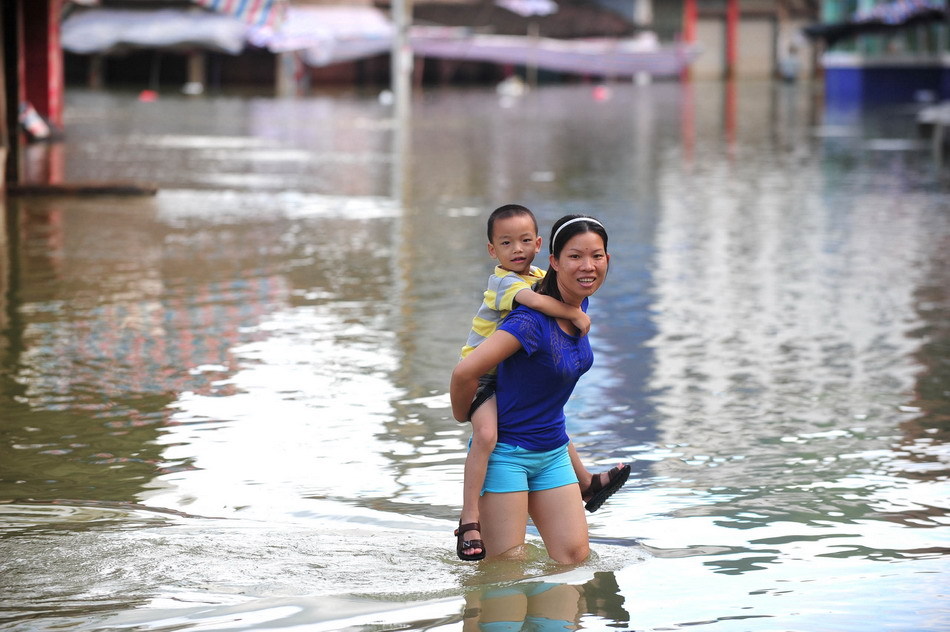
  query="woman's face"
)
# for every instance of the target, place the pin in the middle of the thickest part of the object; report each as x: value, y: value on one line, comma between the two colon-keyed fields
x: 581, y: 267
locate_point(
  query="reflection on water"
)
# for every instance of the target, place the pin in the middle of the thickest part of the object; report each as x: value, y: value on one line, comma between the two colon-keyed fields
x: 561, y: 605
x: 225, y: 407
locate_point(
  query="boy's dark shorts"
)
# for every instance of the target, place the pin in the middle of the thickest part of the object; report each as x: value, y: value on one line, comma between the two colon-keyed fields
x: 485, y: 391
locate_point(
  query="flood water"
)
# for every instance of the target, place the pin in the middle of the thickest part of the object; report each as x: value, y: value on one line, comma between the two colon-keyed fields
x: 225, y: 407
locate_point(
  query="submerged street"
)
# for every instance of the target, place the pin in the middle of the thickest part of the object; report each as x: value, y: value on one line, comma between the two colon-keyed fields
x: 225, y: 406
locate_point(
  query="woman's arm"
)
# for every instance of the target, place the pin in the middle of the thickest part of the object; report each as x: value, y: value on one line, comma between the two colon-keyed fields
x: 485, y: 357
x: 550, y: 306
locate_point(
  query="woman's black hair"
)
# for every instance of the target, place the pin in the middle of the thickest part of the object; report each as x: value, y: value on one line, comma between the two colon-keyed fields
x: 548, y: 285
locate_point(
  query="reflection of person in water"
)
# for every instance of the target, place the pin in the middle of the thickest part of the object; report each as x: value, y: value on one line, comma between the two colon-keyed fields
x: 544, y: 605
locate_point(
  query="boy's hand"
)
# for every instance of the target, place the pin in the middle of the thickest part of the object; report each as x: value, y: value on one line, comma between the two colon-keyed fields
x: 582, y: 322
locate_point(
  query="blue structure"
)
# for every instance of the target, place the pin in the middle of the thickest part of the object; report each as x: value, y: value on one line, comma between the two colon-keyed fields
x: 884, y: 51
x: 854, y: 79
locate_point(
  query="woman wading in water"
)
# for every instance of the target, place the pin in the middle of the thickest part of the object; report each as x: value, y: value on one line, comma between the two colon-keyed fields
x: 539, y: 360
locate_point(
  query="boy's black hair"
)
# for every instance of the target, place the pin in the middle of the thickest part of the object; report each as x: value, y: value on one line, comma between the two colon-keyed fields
x: 506, y: 211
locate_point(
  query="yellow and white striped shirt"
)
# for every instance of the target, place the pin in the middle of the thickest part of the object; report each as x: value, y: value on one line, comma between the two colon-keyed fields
x: 503, y: 286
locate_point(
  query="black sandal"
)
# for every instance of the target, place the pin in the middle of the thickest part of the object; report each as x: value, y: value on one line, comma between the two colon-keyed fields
x: 596, y: 494
x: 461, y: 544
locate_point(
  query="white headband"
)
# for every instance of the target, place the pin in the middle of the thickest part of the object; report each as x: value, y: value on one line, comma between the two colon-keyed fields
x: 569, y: 222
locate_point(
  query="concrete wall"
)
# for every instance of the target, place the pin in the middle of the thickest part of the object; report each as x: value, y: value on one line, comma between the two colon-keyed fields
x: 763, y: 49
x: 711, y: 63
x: 756, y: 55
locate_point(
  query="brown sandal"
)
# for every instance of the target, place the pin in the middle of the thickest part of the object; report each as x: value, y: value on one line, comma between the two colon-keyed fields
x: 461, y: 544
x: 597, y: 493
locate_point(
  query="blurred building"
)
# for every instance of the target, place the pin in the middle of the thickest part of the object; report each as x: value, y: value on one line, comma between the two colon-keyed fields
x: 31, y: 90
x: 884, y: 50
x: 748, y: 38
x: 318, y: 41
x: 865, y: 50
x: 348, y: 41
x: 288, y: 46
x: 158, y: 43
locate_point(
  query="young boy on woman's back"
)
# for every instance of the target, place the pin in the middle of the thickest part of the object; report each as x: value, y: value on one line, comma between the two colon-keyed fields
x: 514, y: 241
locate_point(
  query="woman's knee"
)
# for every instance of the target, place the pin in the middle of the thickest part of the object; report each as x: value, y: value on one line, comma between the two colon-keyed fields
x: 577, y: 554
x: 569, y: 553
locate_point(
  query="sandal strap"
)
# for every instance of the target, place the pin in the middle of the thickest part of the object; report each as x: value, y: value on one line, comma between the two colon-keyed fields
x: 465, y: 528
x: 596, y: 485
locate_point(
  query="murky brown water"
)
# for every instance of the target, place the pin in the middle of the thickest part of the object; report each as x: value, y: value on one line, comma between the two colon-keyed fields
x: 224, y: 407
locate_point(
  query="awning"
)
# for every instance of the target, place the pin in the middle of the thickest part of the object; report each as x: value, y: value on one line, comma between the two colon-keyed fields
x: 328, y: 34
x: 117, y: 30
x: 528, y: 8
x: 254, y: 12
x: 324, y: 35
x: 884, y: 18
x: 597, y: 57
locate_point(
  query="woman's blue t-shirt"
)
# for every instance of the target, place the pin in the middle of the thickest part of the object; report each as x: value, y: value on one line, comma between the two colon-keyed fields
x: 535, y: 382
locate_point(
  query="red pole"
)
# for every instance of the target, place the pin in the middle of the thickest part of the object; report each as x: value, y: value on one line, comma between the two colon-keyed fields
x: 43, y: 57
x: 732, y: 35
x: 56, y: 79
x: 690, y: 18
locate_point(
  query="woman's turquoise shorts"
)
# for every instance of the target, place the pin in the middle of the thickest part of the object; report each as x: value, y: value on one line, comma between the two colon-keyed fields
x: 513, y: 469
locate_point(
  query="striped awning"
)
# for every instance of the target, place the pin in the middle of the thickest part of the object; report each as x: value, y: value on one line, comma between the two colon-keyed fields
x: 324, y: 35
x: 260, y: 13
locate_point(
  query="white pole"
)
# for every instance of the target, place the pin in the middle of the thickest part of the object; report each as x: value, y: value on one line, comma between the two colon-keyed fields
x: 401, y: 86
x: 643, y: 13
x: 401, y: 53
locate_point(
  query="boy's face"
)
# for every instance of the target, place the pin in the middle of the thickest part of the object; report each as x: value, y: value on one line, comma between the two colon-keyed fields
x: 514, y: 243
